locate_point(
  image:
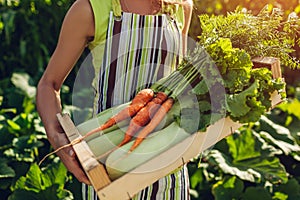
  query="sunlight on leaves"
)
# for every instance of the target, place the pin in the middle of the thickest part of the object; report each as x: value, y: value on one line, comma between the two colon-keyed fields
x: 21, y: 81
x: 5, y: 170
x: 250, y: 159
x: 40, y: 183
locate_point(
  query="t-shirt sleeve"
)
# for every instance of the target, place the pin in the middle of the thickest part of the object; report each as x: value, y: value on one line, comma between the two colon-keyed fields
x: 101, y: 10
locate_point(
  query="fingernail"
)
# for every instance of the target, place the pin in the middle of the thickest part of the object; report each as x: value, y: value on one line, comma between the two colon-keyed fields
x: 71, y: 153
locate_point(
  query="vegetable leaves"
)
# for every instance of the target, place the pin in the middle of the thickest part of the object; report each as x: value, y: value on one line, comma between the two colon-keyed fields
x: 246, y: 93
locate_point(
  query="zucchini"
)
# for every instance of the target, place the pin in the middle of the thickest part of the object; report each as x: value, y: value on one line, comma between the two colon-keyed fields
x: 120, y: 162
x: 101, y: 118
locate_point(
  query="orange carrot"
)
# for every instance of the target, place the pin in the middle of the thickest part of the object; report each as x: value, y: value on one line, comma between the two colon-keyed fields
x: 138, y: 102
x: 157, y: 118
x: 139, y: 120
x: 143, y: 117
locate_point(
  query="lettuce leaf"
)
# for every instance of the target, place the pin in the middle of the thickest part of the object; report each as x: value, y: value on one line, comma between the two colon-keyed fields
x: 237, y: 104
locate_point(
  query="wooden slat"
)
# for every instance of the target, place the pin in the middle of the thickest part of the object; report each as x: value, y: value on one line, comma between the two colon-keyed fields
x: 276, y: 99
x: 94, y: 170
x: 272, y: 63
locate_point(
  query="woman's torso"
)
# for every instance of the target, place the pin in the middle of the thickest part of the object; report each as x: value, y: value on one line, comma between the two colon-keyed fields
x: 131, y: 51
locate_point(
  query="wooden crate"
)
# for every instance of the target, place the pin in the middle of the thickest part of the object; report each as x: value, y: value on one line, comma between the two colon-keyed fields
x: 158, y: 167
x: 269, y: 62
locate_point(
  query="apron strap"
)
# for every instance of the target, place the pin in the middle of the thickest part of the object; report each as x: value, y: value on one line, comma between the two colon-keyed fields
x: 116, y: 7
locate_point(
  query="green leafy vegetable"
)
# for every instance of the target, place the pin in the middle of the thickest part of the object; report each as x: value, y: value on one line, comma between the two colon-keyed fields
x: 265, y: 34
x: 237, y: 103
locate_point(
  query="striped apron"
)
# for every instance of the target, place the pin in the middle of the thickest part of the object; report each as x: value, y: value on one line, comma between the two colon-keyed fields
x: 139, y: 50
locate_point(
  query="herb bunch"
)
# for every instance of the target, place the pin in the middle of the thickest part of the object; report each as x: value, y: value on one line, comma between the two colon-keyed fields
x: 265, y: 34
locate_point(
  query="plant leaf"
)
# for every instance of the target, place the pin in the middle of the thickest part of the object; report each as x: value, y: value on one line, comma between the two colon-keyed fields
x: 250, y: 159
x: 5, y: 170
x: 291, y: 189
x: 43, y: 184
x: 55, y: 174
x: 237, y: 103
x: 291, y: 107
x: 257, y: 193
x: 229, y: 187
x: 32, y: 181
x: 21, y: 81
x: 278, y: 135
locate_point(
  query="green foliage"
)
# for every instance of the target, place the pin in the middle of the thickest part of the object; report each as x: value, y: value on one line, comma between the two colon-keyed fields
x: 29, y: 33
x: 230, y: 187
x: 247, y: 90
x: 248, y: 151
x: 234, y: 64
x: 238, y: 105
x: 265, y: 34
x: 291, y: 108
x: 222, y: 7
x: 260, y: 159
x: 264, y: 156
x: 289, y: 190
x: 258, y: 193
x: 278, y: 136
x: 23, y: 143
x: 42, y: 184
x: 219, y: 7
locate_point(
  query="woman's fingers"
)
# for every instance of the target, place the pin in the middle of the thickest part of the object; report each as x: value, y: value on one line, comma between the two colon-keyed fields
x: 68, y: 157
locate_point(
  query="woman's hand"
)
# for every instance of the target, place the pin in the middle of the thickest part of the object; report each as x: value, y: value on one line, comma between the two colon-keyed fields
x: 48, y: 105
x: 68, y: 156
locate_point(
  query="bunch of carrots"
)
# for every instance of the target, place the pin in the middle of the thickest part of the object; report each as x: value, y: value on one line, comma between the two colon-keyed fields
x: 148, y: 108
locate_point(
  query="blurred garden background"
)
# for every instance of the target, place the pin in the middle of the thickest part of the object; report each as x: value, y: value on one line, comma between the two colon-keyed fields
x: 260, y: 161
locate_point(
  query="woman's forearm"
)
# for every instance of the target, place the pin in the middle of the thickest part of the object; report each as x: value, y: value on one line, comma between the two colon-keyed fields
x: 77, y: 29
x: 48, y: 105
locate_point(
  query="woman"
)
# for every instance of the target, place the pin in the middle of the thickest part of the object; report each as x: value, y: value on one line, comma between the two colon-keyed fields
x: 107, y: 26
